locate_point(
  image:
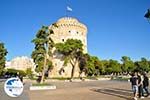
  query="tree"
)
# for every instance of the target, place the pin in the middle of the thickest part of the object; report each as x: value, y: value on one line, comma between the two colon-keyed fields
x: 43, y: 50
x: 91, y: 69
x: 92, y: 65
x: 127, y: 65
x: 3, y: 53
x: 72, y: 51
x: 142, y: 65
x: 106, y: 69
x: 95, y: 66
x: 83, y: 63
x: 15, y: 72
x: 149, y: 64
x: 29, y: 73
x: 114, y: 66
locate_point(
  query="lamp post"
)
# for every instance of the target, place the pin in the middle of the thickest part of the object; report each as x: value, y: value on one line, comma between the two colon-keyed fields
x: 147, y: 15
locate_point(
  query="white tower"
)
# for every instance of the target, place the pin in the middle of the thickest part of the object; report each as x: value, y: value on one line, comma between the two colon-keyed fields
x: 68, y: 28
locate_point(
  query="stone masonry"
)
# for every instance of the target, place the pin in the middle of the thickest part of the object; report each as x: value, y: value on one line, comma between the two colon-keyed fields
x: 68, y: 28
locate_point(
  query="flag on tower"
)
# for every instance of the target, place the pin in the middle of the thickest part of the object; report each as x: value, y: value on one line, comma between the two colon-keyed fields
x: 69, y: 8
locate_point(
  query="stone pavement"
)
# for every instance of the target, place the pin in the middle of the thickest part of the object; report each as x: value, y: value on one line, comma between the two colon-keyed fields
x: 95, y: 90
x: 92, y: 90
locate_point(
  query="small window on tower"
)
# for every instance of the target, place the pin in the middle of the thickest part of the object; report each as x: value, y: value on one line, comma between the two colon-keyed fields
x: 69, y: 31
x: 63, y: 40
x: 55, y: 64
x: 77, y: 32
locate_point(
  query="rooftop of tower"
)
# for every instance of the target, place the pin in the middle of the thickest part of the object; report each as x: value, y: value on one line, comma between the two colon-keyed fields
x: 70, y: 21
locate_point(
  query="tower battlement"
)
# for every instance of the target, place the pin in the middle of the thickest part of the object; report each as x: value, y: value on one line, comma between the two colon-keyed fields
x: 70, y: 28
x: 70, y: 21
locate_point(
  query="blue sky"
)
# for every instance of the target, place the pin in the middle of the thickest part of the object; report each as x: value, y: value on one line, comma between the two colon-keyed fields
x: 115, y: 27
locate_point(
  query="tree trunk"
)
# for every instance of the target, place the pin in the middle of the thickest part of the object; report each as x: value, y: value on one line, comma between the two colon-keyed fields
x: 72, y: 72
x: 43, y: 72
x: 74, y: 64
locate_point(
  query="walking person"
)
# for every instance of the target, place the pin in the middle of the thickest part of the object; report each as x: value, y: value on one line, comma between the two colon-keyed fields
x: 146, y: 84
x: 140, y: 86
x: 134, y: 83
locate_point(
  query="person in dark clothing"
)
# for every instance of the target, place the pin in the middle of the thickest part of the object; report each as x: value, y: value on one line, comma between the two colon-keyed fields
x: 21, y: 78
x: 140, y: 86
x: 134, y: 83
x: 146, y: 84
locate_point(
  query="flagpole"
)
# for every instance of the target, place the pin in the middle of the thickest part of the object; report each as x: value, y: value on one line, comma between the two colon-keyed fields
x: 68, y: 9
x: 67, y: 3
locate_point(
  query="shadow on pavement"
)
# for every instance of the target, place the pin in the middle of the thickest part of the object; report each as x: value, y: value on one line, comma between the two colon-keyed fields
x: 122, y: 89
x: 121, y: 93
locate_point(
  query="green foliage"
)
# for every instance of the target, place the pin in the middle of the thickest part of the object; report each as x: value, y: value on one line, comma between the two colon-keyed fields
x: 71, y: 46
x: 44, y: 84
x: 83, y: 62
x: 61, y: 78
x: 3, y: 53
x: 128, y: 64
x: 72, y: 52
x: 115, y: 66
x: 43, y: 50
x: 15, y: 72
x: 99, y: 67
x: 49, y: 65
x: 94, y: 65
x: 41, y: 42
x: 29, y: 73
x: 112, y: 66
x: 91, y: 65
x: 71, y: 49
x: 142, y: 65
x: 91, y: 68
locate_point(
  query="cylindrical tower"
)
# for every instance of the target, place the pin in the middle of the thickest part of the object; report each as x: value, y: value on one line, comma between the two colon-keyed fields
x: 70, y: 28
x: 67, y: 28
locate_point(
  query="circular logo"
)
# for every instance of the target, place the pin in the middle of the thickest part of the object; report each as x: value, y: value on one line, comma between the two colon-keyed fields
x: 13, y: 87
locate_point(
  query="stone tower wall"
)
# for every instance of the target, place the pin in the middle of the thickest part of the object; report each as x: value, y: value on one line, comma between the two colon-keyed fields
x: 68, y: 28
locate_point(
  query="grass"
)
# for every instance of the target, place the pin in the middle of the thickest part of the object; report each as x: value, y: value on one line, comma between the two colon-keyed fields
x: 121, y: 79
x: 91, y: 77
x: 88, y: 77
x: 34, y: 78
x: 63, y: 78
x: 60, y: 78
x: 97, y: 77
x: 112, y: 78
x: 43, y: 84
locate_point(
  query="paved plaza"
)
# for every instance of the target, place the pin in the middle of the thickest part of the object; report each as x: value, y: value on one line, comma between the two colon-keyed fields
x: 92, y: 90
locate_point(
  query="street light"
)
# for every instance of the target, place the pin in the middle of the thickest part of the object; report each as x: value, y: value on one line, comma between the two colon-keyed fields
x: 147, y: 15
